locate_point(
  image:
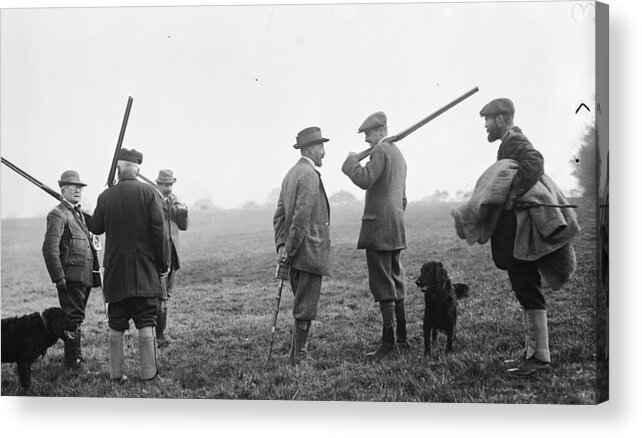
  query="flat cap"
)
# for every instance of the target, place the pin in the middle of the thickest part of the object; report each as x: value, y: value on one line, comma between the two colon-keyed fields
x: 70, y: 178
x: 308, y: 137
x: 165, y: 176
x: 133, y: 156
x: 498, y: 106
x: 373, y: 121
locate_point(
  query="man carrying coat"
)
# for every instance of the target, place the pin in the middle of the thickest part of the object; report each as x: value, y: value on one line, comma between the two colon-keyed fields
x: 70, y: 260
x: 131, y: 215
x: 383, y: 233
x: 302, y: 236
x: 176, y: 216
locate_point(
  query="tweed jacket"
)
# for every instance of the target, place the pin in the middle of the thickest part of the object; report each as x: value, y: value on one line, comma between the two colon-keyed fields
x: 530, y: 168
x: 302, y: 220
x: 131, y: 215
x: 67, y: 249
x: 176, y: 213
x: 384, y: 180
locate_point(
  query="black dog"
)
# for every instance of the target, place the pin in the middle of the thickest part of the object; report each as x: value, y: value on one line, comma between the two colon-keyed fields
x: 26, y: 338
x: 441, y: 303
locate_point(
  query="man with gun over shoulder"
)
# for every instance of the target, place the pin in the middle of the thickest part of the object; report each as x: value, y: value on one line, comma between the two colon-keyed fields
x: 130, y: 213
x: 383, y: 233
x: 302, y: 236
x: 71, y: 261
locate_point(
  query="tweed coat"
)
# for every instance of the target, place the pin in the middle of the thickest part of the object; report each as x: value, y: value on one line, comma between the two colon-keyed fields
x: 384, y: 180
x: 515, y: 146
x: 176, y: 213
x: 66, y: 248
x: 131, y: 215
x: 302, y: 220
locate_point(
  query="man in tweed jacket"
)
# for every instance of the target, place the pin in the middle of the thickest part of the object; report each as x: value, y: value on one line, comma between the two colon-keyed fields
x: 302, y: 236
x: 383, y: 233
x: 70, y: 259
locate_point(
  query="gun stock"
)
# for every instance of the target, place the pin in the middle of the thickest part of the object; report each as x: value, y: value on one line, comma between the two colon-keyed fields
x: 111, y: 178
x: 31, y: 179
x: 403, y: 134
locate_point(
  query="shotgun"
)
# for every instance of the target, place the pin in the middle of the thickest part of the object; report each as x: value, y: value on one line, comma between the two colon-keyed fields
x: 403, y: 134
x: 111, y: 178
x: 31, y: 179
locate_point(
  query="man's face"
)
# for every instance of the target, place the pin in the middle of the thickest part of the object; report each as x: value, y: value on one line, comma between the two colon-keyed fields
x: 71, y: 194
x: 493, y: 127
x: 316, y: 152
x: 165, y: 188
x: 374, y: 136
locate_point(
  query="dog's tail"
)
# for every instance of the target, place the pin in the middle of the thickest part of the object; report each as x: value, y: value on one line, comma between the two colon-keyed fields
x: 461, y: 290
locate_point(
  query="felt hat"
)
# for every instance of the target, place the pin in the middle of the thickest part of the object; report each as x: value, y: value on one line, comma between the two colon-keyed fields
x: 70, y: 178
x: 309, y: 136
x: 373, y: 121
x: 133, y: 156
x: 165, y: 176
x: 498, y: 106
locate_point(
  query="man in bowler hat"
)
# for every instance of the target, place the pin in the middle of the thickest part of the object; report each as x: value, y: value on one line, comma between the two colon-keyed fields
x: 302, y: 236
x: 71, y: 259
x: 524, y: 276
x: 131, y: 215
x: 383, y: 233
x: 176, y: 218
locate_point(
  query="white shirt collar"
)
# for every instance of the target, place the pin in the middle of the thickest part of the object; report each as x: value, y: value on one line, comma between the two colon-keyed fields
x: 310, y: 160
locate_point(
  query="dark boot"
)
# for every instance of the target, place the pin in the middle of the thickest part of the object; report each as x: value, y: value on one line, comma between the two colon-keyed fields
x: 161, y: 324
x: 72, y: 358
x: 299, y: 350
x: 402, y: 335
x: 388, y: 347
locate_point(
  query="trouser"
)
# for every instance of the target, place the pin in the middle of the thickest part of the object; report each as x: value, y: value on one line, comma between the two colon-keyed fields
x: 307, y: 291
x: 526, y: 282
x: 386, y: 275
x: 73, y: 302
x: 142, y: 310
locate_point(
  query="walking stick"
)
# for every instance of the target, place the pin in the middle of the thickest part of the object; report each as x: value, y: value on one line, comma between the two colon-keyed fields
x: 282, y: 274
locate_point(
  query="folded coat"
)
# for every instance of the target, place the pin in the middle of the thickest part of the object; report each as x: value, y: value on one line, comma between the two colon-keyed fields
x: 544, y: 234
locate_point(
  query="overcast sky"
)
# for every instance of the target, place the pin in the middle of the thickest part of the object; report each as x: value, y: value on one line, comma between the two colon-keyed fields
x: 220, y: 92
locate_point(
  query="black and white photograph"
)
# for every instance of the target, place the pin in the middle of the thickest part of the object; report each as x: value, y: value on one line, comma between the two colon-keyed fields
x: 369, y: 203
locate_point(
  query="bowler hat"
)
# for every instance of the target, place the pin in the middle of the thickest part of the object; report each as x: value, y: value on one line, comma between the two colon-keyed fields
x: 309, y: 136
x: 70, y: 178
x: 165, y: 176
x: 133, y: 156
x: 498, y: 106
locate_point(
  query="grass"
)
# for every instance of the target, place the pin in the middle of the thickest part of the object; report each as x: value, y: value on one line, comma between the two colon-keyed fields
x: 221, y: 313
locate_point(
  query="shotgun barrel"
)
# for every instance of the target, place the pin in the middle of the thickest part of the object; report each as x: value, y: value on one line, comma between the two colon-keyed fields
x: 31, y: 179
x: 111, y: 178
x: 403, y: 134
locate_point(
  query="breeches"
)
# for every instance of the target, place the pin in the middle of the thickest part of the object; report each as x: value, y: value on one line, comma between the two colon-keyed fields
x: 142, y: 310
x: 307, y: 290
x: 386, y: 275
x: 73, y: 302
x: 526, y: 282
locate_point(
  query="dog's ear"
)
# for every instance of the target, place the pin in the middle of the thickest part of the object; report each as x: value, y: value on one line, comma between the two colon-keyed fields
x: 441, y: 275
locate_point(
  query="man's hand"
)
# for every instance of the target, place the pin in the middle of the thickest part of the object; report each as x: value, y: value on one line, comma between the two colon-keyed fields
x: 164, y: 275
x: 61, y: 285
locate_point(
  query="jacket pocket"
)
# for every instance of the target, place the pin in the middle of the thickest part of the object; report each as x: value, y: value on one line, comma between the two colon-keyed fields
x: 79, y: 249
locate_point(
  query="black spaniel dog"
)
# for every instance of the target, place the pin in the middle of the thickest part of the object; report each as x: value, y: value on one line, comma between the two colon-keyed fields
x: 441, y: 298
x: 26, y: 338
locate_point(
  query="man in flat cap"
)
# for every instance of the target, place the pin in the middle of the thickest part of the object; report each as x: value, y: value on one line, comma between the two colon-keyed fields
x: 302, y: 236
x: 176, y: 217
x: 383, y: 233
x: 524, y: 276
x: 71, y: 259
x: 131, y: 215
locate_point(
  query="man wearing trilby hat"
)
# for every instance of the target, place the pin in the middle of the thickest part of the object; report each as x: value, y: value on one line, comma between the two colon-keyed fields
x: 302, y: 236
x: 131, y: 215
x: 70, y: 259
x: 383, y: 233
x: 175, y: 214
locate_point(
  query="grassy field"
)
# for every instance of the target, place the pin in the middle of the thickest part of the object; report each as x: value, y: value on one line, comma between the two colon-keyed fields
x: 221, y: 311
